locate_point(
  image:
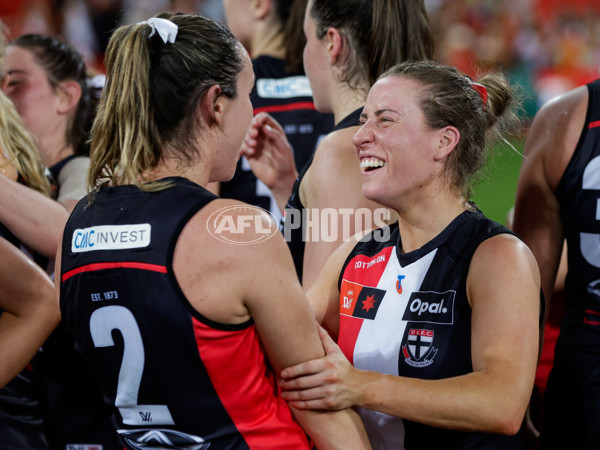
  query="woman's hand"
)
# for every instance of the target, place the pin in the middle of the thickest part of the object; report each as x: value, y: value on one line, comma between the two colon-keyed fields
x: 270, y: 156
x: 328, y: 383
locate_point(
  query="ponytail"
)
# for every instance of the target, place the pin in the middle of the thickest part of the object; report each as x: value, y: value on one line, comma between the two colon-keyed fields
x: 378, y: 34
x: 124, y: 135
x: 400, y: 31
x: 151, y: 95
x: 293, y: 33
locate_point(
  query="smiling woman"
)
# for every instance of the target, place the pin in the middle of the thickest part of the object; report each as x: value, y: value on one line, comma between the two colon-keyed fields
x: 386, y: 144
x: 425, y: 340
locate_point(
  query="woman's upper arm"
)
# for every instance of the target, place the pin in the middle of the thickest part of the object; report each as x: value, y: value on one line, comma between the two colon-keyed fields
x: 503, y: 286
x: 332, y: 192
x: 29, y: 312
x: 279, y: 308
x: 550, y: 144
x: 248, y: 275
x: 259, y: 281
x: 24, y: 285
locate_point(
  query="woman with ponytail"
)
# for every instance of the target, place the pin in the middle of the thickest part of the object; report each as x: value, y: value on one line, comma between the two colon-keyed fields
x: 185, y: 305
x: 349, y: 44
x: 271, y: 31
x: 436, y: 317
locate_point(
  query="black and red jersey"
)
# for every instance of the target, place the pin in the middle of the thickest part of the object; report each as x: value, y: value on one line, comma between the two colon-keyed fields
x: 175, y: 378
x: 578, y: 193
x: 287, y: 97
x: 571, y: 414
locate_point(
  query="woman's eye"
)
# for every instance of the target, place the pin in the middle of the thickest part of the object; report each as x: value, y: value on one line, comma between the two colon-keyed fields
x: 12, y: 82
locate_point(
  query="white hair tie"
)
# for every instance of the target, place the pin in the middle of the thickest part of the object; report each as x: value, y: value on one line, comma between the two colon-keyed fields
x: 167, y: 30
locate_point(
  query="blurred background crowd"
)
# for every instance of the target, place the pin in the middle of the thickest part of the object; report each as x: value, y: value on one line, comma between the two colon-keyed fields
x: 547, y: 46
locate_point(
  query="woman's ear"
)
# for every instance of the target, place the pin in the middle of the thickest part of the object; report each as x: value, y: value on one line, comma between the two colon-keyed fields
x: 69, y: 93
x: 261, y: 8
x: 334, y: 44
x: 212, y: 106
x: 448, y: 140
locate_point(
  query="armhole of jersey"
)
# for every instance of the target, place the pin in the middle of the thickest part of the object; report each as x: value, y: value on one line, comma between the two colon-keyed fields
x: 63, y: 249
x: 502, y: 230
x: 593, y: 90
x: 542, y: 299
x: 171, y: 274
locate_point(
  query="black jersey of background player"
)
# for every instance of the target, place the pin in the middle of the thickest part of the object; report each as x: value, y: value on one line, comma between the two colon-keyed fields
x: 288, y: 98
x: 172, y: 375
x: 571, y: 413
x: 291, y: 223
x: 578, y: 193
x: 407, y: 314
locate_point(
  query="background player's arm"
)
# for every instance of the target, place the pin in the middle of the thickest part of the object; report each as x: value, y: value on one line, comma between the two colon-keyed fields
x: 29, y: 310
x: 36, y: 220
x: 550, y: 143
x: 320, y: 189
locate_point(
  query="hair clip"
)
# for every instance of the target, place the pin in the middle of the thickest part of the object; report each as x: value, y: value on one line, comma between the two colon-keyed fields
x: 482, y: 91
x: 167, y: 30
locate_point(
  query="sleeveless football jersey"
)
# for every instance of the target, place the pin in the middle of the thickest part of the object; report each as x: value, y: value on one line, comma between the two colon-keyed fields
x: 579, y: 196
x: 292, y: 222
x: 288, y: 98
x: 407, y: 314
x: 175, y: 378
x: 571, y: 414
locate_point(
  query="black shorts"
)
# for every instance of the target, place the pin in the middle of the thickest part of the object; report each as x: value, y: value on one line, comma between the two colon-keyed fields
x: 21, y: 424
x: 571, y: 414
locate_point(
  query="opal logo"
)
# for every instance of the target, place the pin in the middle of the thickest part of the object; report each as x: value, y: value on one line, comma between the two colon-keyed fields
x: 419, y: 306
x: 242, y: 225
x: 431, y: 307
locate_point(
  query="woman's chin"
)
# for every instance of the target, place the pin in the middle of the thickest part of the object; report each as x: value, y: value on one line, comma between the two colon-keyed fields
x: 370, y: 192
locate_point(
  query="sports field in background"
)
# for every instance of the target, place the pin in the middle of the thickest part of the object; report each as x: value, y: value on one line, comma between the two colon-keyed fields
x: 495, y: 195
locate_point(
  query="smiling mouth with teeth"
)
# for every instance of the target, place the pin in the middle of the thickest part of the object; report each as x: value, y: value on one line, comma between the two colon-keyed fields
x: 371, y: 164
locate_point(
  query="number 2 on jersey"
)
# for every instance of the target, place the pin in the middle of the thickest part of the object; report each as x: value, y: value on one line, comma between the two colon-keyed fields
x: 102, y: 322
